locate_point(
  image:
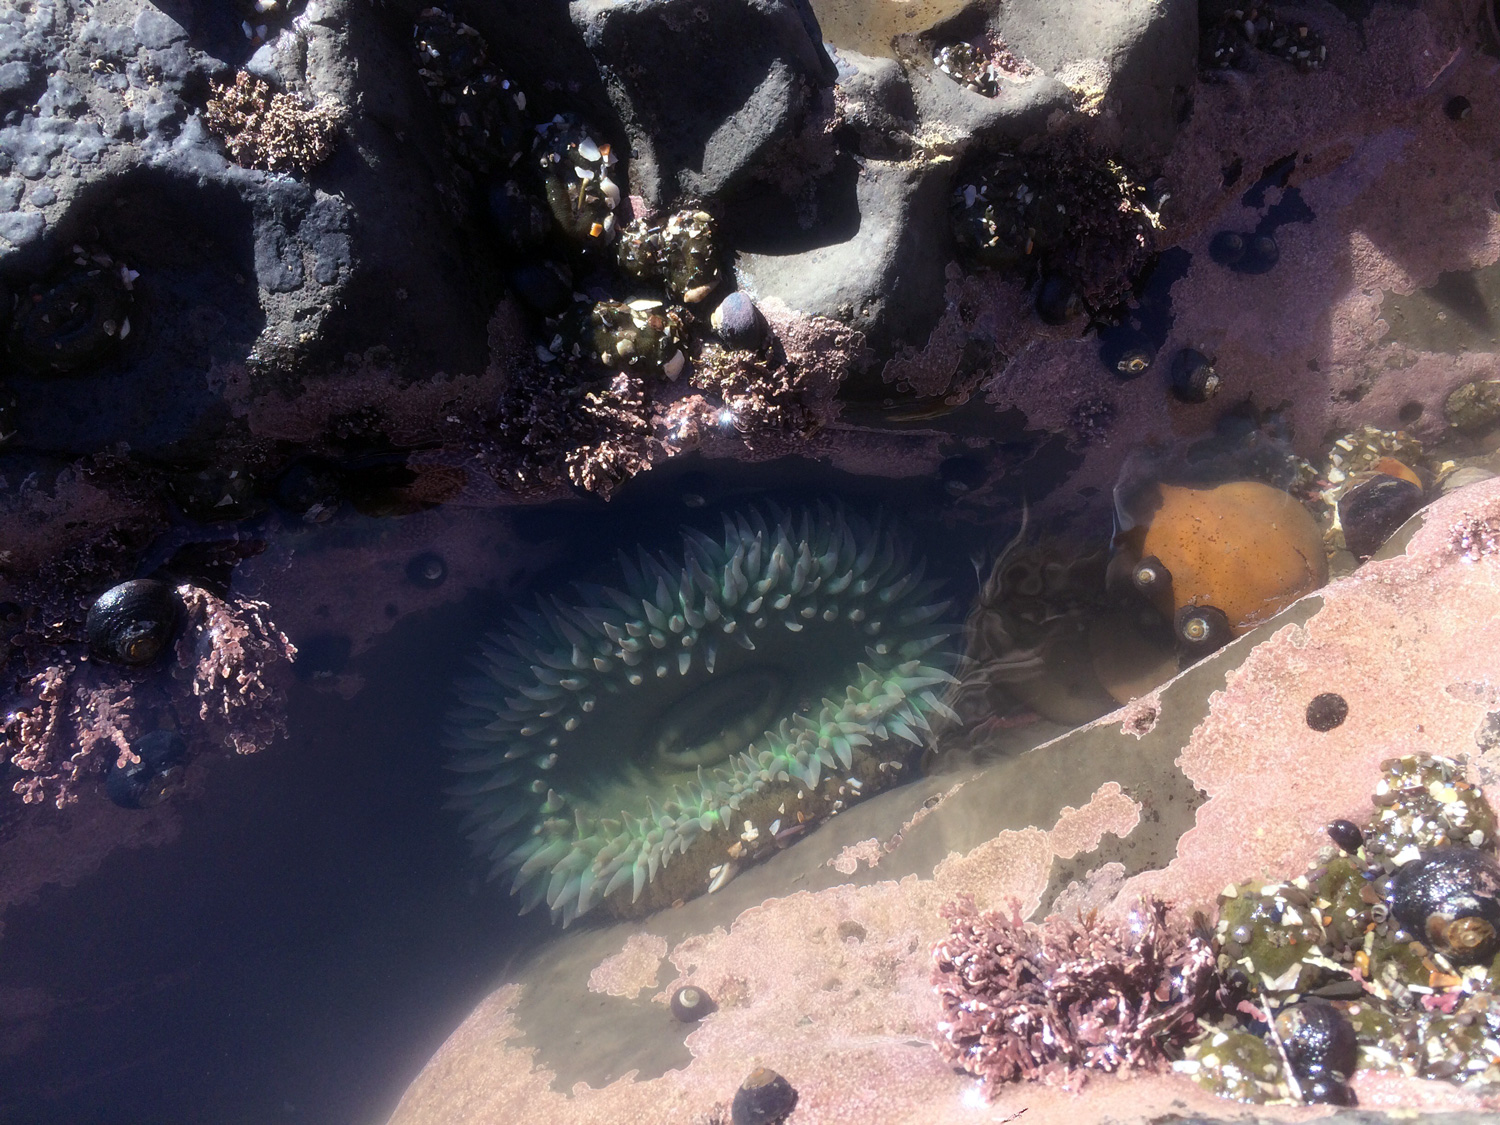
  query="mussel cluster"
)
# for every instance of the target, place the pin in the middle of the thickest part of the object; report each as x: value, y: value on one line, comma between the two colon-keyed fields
x: 483, y: 111
x: 1384, y: 956
x: 981, y: 66
x: 73, y: 321
x: 1229, y: 40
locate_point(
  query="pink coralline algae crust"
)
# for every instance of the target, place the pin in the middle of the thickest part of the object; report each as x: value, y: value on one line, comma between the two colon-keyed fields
x: 632, y: 970
x: 832, y: 989
x: 1050, y: 1002
x: 1309, y: 337
x: 1108, y: 810
x: 849, y: 858
x: 236, y: 661
x: 747, y: 405
x: 870, y: 851
x: 224, y: 684
x: 1138, y: 718
x: 1390, y: 639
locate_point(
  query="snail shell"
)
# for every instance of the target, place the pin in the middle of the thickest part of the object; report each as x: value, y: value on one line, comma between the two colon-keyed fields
x: 764, y: 1098
x: 133, y: 623
x: 1202, y: 629
x: 1321, y: 1048
x: 690, y: 1004
x: 1151, y: 578
x: 149, y: 781
x: 1450, y: 898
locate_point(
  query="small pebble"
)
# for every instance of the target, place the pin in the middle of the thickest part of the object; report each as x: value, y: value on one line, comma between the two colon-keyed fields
x: 765, y: 1098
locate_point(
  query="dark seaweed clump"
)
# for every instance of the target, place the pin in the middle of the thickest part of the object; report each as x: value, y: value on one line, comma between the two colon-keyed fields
x: 1065, y: 211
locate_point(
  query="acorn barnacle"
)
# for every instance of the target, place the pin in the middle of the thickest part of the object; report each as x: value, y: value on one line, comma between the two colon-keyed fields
x: 134, y: 622
x: 1449, y: 898
x: 149, y: 773
x: 615, y: 748
x: 73, y: 323
x: 576, y: 174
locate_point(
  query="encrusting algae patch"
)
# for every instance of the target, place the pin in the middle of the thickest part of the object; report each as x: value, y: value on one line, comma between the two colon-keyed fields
x: 832, y: 989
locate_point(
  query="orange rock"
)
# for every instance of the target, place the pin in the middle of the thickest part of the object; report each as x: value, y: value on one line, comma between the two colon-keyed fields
x: 1244, y: 547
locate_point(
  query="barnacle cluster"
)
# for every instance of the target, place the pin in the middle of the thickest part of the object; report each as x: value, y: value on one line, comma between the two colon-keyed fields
x: 643, y: 336
x: 1393, y: 933
x: 681, y: 254
x: 636, y: 746
x: 1065, y: 212
x: 981, y: 66
x: 263, y: 128
x: 1229, y: 40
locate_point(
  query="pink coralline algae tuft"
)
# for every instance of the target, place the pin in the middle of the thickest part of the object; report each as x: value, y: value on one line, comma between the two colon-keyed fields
x: 1049, y: 1001
x: 224, y: 687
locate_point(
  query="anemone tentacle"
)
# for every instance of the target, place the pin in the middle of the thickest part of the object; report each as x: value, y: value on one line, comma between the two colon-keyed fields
x: 818, y: 617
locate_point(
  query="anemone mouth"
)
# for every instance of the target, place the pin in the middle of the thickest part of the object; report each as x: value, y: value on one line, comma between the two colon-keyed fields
x: 606, y: 737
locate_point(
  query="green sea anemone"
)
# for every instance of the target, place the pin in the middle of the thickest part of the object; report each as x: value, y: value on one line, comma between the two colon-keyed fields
x: 762, y: 680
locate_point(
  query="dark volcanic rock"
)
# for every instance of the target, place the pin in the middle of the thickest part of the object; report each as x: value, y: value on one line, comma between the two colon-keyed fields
x: 697, y: 126
x: 876, y: 254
